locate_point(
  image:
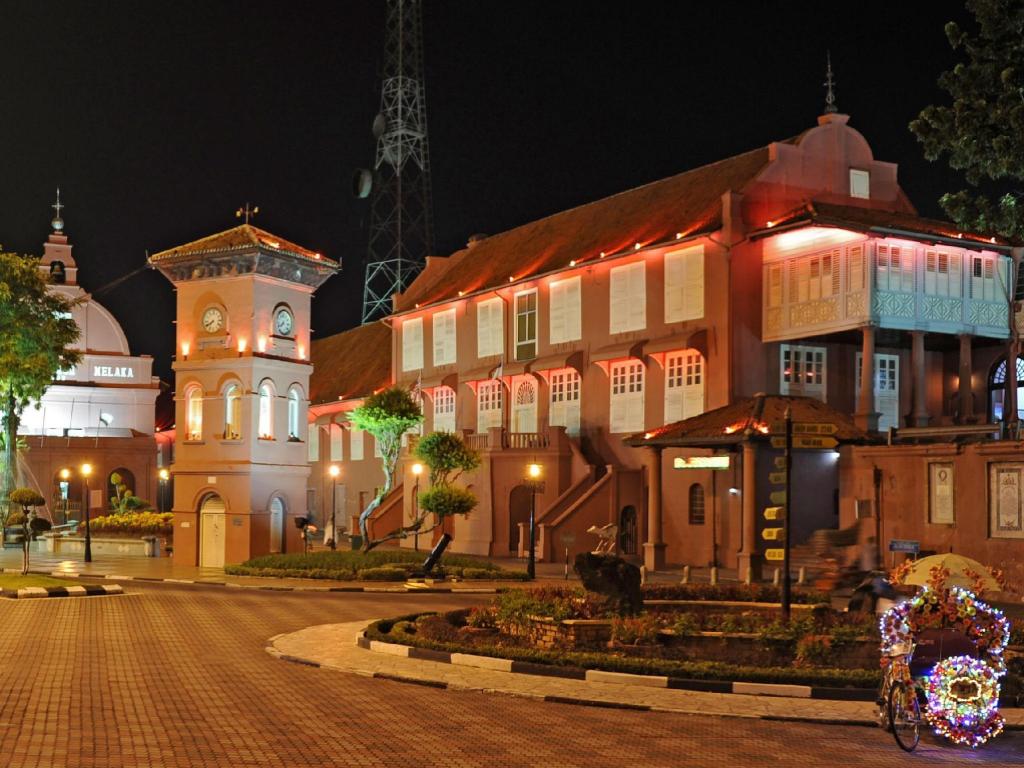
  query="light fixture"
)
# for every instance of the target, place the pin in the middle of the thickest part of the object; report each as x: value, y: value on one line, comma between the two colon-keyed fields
x: 734, y: 491
x: 261, y: 344
x: 241, y: 346
x: 679, y: 235
x: 534, y: 471
x: 462, y: 293
x: 602, y: 254
x: 86, y: 470
x: 572, y: 262
x: 417, y: 469
x: 184, y: 349
x: 334, y: 470
x: 636, y: 247
x: 164, y: 474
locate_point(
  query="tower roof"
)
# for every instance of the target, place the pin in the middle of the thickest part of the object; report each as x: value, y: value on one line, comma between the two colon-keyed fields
x: 240, y: 238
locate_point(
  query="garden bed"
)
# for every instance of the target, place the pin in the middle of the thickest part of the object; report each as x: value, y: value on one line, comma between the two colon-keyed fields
x: 376, y: 565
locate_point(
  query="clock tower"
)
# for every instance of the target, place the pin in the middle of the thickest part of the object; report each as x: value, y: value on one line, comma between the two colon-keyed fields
x: 242, y: 382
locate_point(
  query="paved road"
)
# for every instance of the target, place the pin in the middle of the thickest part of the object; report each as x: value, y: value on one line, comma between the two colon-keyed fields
x: 177, y: 676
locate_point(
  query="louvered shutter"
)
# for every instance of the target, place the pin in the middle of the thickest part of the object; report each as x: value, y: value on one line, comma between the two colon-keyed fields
x: 355, y: 451
x: 489, y: 336
x: 693, y: 284
x: 956, y: 280
x: 564, y: 311
x: 637, y: 301
x: 856, y: 255
x: 444, y: 337
x: 693, y: 385
x: 556, y: 312
x: 674, y: 287
x: 908, y: 269
x: 673, y: 388
x: 313, y: 442
x: 573, y: 302
x: 775, y: 285
x: 497, y: 346
x: 412, y: 344
x: 618, y: 292
x: 337, y: 453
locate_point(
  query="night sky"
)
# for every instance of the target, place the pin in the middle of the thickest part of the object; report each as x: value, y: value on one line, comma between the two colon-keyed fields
x: 158, y: 120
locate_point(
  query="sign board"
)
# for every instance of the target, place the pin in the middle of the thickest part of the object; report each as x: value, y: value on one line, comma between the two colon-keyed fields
x: 804, y: 428
x: 779, y: 478
x: 777, y: 497
x: 804, y: 441
x: 774, y: 513
x: 773, y: 534
x: 775, y: 555
x: 95, y: 499
x: 701, y: 462
x: 904, y: 545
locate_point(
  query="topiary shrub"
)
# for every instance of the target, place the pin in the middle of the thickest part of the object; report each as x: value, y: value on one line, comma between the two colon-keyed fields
x: 383, y: 573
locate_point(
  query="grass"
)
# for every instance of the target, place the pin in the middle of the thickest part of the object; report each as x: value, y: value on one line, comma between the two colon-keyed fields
x: 11, y: 582
x: 378, y: 564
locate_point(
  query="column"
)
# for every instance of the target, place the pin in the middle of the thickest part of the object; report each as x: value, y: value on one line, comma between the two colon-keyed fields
x: 966, y: 395
x: 919, y: 416
x: 748, y: 552
x: 1010, y: 398
x: 866, y: 417
x: 654, y: 547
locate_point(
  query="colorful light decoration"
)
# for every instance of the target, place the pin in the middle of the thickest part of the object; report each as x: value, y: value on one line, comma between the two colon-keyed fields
x: 962, y: 692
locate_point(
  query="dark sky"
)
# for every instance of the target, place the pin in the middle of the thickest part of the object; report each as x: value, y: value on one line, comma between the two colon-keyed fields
x: 158, y: 120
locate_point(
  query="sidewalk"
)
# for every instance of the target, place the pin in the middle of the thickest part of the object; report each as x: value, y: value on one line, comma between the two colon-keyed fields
x: 334, y: 646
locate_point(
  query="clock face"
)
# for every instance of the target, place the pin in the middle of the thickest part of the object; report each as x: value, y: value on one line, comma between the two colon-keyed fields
x: 213, y: 320
x: 283, y: 322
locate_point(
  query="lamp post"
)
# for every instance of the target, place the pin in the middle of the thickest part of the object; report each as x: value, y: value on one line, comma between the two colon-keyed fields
x: 65, y: 475
x: 163, y: 474
x: 533, y: 472
x: 86, y: 470
x: 417, y: 470
x: 334, y: 471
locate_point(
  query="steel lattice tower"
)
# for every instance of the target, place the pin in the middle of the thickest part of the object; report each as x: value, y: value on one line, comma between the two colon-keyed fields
x: 401, y: 225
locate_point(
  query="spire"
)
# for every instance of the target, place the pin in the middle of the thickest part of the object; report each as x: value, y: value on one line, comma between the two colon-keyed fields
x: 57, y: 222
x: 830, y: 94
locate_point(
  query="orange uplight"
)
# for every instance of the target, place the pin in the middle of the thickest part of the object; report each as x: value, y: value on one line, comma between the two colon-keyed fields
x: 317, y: 256
x: 462, y: 293
x: 730, y: 430
x: 241, y: 345
x: 602, y: 254
x: 679, y: 235
x: 636, y: 247
x: 770, y: 224
x: 648, y: 435
x: 302, y: 352
x: 763, y: 429
x: 511, y: 279
x: 184, y: 348
x: 261, y: 343
x: 572, y: 263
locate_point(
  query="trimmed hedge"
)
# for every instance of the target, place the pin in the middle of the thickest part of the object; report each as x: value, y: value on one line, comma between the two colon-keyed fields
x: 746, y: 593
x: 396, y: 631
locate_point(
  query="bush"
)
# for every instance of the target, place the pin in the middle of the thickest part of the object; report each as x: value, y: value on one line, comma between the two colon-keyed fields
x: 815, y: 650
x: 343, y: 565
x: 513, y: 607
x: 446, y: 500
x: 384, y: 573
x: 133, y: 523
x: 636, y: 630
x: 481, y: 618
x: 755, y: 593
x: 686, y: 624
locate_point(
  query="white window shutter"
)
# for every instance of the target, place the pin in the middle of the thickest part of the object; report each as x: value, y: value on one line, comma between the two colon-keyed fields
x: 571, y: 417
x: 638, y: 296
x: 356, y: 444
x: 618, y: 290
x: 635, y: 412
x: 557, y: 312
x: 337, y: 453
x: 693, y: 385
x: 955, y: 279
x: 484, y: 334
x: 674, y: 287
x: 617, y: 415
x: 444, y: 337
x: 313, y: 442
x: 673, y: 404
x: 412, y: 344
x: 497, y: 327
x: 693, y: 286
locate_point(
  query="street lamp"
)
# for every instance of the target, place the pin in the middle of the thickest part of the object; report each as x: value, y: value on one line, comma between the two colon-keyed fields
x: 533, y: 472
x: 334, y: 471
x: 163, y: 474
x: 86, y: 470
x: 417, y: 471
x: 65, y: 475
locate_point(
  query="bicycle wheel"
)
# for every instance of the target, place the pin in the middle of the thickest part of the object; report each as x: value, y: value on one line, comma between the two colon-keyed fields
x: 882, y: 705
x: 905, y: 715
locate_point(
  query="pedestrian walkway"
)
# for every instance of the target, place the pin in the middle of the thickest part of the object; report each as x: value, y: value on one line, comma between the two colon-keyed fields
x: 333, y: 646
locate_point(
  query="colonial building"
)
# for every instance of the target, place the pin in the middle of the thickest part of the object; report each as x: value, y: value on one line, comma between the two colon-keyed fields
x: 101, y: 412
x: 779, y: 271
x: 242, y: 371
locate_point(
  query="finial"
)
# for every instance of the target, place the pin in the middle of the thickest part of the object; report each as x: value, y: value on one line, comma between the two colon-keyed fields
x: 247, y: 212
x: 830, y: 82
x: 57, y: 222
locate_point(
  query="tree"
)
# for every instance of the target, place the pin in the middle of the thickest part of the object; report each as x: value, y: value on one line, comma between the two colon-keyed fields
x: 124, y: 500
x: 387, y: 415
x: 981, y: 130
x: 447, y: 456
x: 27, y: 499
x: 34, y: 345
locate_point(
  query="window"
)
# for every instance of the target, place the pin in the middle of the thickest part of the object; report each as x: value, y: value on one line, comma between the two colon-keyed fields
x: 988, y: 283
x: 684, y: 285
x: 565, y: 400
x: 444, y: 337
x: 860, y: 183
x: 628, y: 298
x: 412, y: 344
x: 997, y: 390
x: 356, y: 444
x: 564, y: 321
x: 524, y: 407
x: 294, y: 412
x: 627, y: 400
x: 802, y: 371
x: 696, y: 504
x: 233, y: 412
x: 894, y: 268
x: 886, y: 377
x: 775, y: 285
x: 488, y: 405
x: 335, y: 433
x: 684, y: 385
x: 815, y: 277
x: 942, y: 273
x: 194, y: 401
x: 313, y: 441
x: 855, y: 257
x: 266, y: 415
x: 490, y: 327
x: 526, y: 325
x: 444, y: 409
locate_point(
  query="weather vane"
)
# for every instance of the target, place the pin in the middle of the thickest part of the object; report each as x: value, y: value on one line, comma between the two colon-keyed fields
x: 830, y: 82
x: 58, y: 222
x: 247, y: 212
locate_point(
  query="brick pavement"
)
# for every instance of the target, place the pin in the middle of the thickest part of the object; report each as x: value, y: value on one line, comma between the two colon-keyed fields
x: 172, y: 676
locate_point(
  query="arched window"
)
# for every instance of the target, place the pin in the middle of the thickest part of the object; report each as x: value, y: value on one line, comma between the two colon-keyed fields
x: 696, y: 504
x: 194, y: 408
x: 266, y: 422
x: 997, y: 389
x: 233, y: 412
x: 294, y: 410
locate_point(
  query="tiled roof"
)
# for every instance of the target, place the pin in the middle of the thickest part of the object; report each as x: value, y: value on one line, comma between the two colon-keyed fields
x: 688, y: 203
x: 758, y: 413
x: 238, y: 238
x: 353, y: 363
x: 872, y: 219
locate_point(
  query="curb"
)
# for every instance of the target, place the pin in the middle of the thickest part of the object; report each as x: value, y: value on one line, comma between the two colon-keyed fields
x: 75, y: 591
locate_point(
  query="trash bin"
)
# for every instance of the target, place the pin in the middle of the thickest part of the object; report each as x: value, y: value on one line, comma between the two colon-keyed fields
x: 357, y: 541
x: 152, y: 550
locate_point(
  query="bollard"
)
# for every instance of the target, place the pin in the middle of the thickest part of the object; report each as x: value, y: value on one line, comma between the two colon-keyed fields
x: 748, y: 579
x: 686, y: 575
x: 776, y: 577
x: 643, y: 575
x: 801, y: 575
x: 714, y: 576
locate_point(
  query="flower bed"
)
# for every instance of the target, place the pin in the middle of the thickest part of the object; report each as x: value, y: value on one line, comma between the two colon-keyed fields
x: 376, y: 565
x: 131, y: 525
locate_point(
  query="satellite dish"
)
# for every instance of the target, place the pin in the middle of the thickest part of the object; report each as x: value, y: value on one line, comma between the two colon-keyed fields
x: 362, y: 183
x: 380, y: 124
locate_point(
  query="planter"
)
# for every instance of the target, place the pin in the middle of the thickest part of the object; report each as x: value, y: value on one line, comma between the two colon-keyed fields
x: 749, y: 649
x: 570, y: 634
x: 146, y: 546
x: 722, y: 606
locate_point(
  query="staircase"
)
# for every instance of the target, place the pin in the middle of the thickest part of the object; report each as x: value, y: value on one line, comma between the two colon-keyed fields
x: 388, y: 516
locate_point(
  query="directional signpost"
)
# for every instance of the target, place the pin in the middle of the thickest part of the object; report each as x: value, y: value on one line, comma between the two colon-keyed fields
x: 806, y: 442
x: 775, y: 555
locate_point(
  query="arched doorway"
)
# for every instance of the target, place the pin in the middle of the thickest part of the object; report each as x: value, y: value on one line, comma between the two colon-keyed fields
x: 276, y: 524
x: 518, y: 512
x: 627, y: 531
x: 997, y: 389
x: 212, y: 530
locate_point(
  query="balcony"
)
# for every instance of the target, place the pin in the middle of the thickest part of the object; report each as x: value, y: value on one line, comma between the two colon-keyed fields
x: 498, y: 438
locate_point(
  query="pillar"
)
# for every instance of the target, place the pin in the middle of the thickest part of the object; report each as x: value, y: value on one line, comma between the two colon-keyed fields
x: 749, y: 557
x: 966, y: 396
x: 654, y: 547
x: 919, y: 416
x: 866, y: 416
x: 1010, y: 397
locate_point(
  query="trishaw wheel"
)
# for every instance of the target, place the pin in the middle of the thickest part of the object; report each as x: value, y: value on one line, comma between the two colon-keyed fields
x: 905, y: 716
